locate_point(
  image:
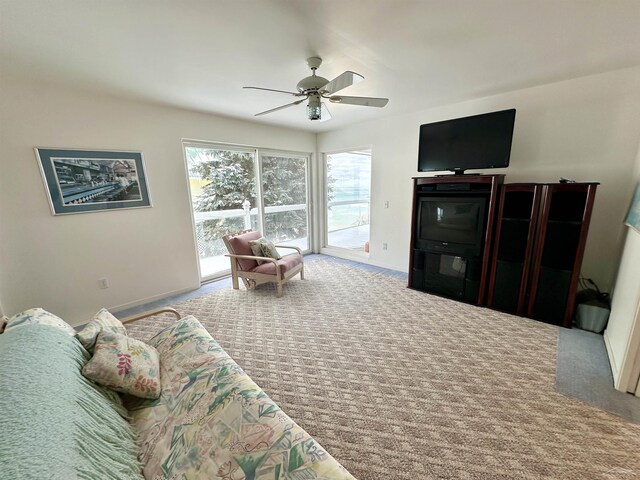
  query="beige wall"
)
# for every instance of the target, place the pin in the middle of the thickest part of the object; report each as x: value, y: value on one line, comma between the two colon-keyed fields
x: 55, y: 262
x: 587, y: 129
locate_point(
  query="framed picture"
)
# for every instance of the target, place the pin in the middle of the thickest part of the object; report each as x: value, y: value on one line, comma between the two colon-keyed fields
x: 633, y: 217
x: 80, y: 181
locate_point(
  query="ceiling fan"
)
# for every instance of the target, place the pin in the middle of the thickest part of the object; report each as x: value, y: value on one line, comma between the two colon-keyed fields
x: 315, y: 88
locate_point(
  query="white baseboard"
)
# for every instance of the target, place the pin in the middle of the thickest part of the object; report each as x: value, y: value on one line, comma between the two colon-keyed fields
x: 356, y: 256
x: 137, y: 303
x: 361, y: 257
x: 612, y: 362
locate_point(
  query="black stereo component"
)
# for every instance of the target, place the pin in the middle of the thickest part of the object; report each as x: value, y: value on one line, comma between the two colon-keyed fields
x: 456, y: 187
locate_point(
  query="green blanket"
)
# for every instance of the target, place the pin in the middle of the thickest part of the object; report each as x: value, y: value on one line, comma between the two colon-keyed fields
x: 54, y: 423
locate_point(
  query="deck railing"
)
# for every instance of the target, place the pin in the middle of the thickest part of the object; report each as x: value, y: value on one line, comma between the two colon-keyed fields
x: 246, y: 211
x: 348, y: 202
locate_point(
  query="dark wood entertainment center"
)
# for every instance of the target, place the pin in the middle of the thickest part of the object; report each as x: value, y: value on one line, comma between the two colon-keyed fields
x: 517, y: 247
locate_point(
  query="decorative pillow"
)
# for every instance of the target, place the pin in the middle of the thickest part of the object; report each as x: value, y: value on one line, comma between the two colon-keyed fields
x: 264, y: 248
x: 103, y: 320
x: 269, y: 250
x: 38, y: 315
x: 125, y: 365
x: 256, y: 248
x: 3, y: 323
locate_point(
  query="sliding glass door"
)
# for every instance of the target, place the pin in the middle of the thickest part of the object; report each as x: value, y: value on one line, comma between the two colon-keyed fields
x: 285, y: 187
x: 235, y: 189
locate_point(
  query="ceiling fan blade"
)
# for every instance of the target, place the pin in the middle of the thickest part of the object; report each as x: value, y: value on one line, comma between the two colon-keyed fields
x: 297, y: 102
x: 343, y: 80
x: 297, y: 94
x: 324, y: 113
x: 364, y: 101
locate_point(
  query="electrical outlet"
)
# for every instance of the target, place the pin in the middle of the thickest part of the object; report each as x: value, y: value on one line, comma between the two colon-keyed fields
x: 103, y: 283
x: 384, y: 246
x: 386, y: 204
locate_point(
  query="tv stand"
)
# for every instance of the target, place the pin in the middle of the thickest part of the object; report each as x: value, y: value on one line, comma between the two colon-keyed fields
x: 459, y: 271
x: 533, y: 240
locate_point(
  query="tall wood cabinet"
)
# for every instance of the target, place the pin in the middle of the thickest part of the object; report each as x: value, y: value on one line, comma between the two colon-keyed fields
x: 541, y: 232
x: 514, y: 243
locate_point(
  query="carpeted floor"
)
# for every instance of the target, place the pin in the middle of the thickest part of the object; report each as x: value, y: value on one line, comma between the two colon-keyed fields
x: 398, y: 384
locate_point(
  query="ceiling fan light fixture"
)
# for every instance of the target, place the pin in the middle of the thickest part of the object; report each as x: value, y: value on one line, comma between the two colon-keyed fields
x: 314, y: 109
x: 314, y: 113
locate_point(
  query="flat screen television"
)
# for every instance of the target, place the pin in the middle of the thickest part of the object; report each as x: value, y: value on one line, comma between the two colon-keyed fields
x: 452, y: 225
x: 480, y: 141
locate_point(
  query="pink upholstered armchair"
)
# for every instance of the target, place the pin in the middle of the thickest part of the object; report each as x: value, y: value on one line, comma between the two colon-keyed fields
x: 244, y: 264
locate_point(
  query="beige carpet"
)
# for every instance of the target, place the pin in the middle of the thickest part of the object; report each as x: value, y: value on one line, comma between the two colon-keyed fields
x: 398, y: 384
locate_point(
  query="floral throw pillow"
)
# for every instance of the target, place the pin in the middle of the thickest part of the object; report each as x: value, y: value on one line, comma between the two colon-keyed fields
x: 264, y: 248
x: 103, y: 320
x: 125, y: 365
x: 256, y: 248
x: 269, y: 250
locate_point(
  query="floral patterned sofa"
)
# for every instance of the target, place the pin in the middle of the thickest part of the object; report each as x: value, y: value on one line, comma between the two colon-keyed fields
x: 211, y: 421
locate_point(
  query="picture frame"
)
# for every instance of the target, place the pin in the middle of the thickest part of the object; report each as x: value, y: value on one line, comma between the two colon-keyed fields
x: 633, y: 217
x: 83, y: 181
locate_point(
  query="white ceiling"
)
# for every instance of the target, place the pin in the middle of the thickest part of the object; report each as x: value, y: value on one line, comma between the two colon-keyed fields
x: 418, y: 53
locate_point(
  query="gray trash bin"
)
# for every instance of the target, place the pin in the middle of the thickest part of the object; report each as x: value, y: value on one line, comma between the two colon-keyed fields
x: 592, y: 317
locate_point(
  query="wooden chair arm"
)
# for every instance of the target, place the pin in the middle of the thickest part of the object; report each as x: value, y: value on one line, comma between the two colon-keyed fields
x: 290, y: 246
x: 151, y: 313
x: 251, y: 257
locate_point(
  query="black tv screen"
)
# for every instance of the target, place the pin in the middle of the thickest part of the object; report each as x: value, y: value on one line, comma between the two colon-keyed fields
x: 451, y: 224
x: 480, y: 141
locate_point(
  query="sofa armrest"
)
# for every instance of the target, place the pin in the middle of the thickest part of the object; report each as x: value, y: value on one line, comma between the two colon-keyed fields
x: 151, y: 313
